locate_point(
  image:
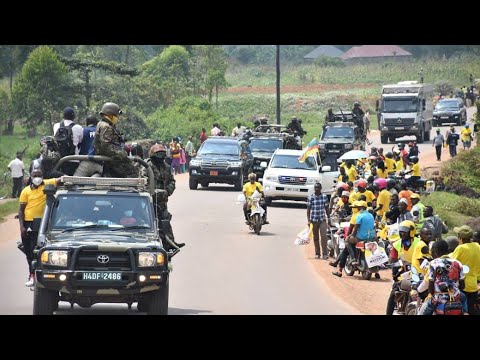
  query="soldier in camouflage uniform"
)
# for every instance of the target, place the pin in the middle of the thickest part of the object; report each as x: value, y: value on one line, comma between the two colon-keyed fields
x: 164, y: 180
x: 108, y: 142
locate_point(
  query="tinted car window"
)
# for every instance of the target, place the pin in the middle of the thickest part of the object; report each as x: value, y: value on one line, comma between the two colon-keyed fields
x: 226, y: 148
x: 291, y: 162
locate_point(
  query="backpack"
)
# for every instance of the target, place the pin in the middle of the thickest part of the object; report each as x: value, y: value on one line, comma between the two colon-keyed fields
x: 64, y: 139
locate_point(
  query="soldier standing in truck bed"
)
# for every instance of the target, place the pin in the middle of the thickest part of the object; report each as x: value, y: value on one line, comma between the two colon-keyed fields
x: 108, y: 142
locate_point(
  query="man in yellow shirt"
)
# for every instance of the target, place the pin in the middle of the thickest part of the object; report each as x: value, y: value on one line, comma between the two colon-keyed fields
x: 248, y: 190
x: 351, y: 171
x: 468, y: 253
x: 466, y: 137
x: 415, y: 170
x: 32, y: 204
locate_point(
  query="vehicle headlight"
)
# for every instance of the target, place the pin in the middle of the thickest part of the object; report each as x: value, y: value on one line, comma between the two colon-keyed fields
x: 149, y: 259
x: 236, y: 164
x: 272, y: 178
x: 348, y: 146
x: 54, y: 257
x: 195, y: 162
x: 322, y: 146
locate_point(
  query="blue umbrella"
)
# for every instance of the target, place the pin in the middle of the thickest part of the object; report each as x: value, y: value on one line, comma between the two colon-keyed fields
x: 354, y: 155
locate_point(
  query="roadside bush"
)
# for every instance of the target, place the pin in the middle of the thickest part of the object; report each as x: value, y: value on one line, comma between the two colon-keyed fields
x: 461, y: 175
x: 323, y: 61
x: 443, y: 88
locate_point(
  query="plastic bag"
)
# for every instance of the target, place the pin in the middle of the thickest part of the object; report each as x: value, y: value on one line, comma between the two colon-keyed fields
x: 240, y: 199
x: 304, y: 236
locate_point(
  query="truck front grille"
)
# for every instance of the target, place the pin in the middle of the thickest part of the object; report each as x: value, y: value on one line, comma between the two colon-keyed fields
x: 89, y: 260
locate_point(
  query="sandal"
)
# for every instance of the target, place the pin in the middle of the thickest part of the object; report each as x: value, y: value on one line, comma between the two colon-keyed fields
x: 337, y: 273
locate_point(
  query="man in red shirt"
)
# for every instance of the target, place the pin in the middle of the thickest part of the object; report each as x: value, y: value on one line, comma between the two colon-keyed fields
x: 203, y: 136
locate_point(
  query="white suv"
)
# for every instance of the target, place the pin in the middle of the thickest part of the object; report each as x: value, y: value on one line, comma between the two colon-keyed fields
x: 288, y: 179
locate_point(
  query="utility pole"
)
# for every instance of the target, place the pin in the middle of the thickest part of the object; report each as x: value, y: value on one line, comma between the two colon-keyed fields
x: 278, y: 84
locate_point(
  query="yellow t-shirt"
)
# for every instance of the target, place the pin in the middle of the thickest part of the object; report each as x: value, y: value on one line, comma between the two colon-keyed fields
x: 384, y: 200
x: 381, y: 173
x: 399, y: 164
x: 469, y: 254
x: 353, y: 219
x: 416, y: 169
x: 35, y: 200
x: 250, y: 188
x: 368, y: 194
x: 417, y: 257
x: 352, y: 173
x: 465, y: 134
x: 390, y: 165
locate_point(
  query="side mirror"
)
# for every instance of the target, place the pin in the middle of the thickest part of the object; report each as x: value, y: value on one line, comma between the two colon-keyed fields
x: 263, y: 164
x: 326, y: 168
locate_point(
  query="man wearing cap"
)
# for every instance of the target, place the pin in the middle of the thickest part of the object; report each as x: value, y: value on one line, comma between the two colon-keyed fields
x: 343, y: 206
x: 438, y: 143
x: 317, y: 210
x: 404, y: 214
x: 108, y: 142
x: 452, y: 141
x: 468, y: 253
x: 77, y: 136
x: 417, y: 211
x: 466, y: 137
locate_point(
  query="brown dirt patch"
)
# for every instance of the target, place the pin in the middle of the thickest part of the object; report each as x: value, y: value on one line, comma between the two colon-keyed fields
x: 294, y: 88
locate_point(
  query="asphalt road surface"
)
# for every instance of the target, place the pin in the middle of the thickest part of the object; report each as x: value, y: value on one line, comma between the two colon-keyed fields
x: 225, y: 268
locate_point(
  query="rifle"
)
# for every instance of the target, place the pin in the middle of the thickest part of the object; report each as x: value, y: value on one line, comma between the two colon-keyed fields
x: 23, y: 152
x: 343, y: 115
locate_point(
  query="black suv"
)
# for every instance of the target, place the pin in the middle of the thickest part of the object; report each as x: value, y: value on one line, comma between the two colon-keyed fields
x: 262, y: 148
x: 226, y: 160
x: 99, y: 242
x: 339, y: 137
x: 450, y: 111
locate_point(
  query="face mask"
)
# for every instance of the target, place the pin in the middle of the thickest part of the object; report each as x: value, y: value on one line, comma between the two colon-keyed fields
x: 160, y: 156
x: 37, y: 181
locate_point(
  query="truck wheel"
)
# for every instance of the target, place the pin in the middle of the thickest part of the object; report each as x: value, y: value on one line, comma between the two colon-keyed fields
x: 384, y: 139
x: 158, y: 302
x: 239, y: 183
x: 460, y: 120
x: 421, y: 137
x: 44, y: 301
x: 268, y: 201
x: 392, y: 139
x: 192, y: 184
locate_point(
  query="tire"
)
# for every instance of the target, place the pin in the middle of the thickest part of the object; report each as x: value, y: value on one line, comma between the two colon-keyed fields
x: 268, y: 201
x: 421, y: 137
x: 142, y: 305
x: 257, y: 223
x: 158, y: 302
x: 349, y: 269
x: 192, y: 184
x: 367, y: 275
x: 434, y: 123
x: 44, y: 301
x: 205, y: 185
x: 391, y: 139
x: 384, y: 139
x: 411, y: 310
x: 239, y: 183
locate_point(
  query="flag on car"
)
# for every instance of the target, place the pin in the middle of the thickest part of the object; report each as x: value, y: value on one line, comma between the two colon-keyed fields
x: 309, y: 150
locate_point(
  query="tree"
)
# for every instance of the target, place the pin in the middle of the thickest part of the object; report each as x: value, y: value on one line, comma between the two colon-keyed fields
x: 12, y: 58
x: 209, y: 64
x: 169, y: 72
x: 39, y: 89
x: 5, y: 109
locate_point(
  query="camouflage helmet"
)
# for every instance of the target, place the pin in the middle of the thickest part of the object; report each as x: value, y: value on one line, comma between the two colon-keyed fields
x: 156, y: 148
x: 356, y: 103
x: 110, y: 108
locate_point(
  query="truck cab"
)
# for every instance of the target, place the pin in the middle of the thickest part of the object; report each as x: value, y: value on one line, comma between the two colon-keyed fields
x: 405, y: 109
x: 339, y: 137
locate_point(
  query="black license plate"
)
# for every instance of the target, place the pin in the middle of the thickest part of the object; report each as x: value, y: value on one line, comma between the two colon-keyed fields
x: 102, y: 276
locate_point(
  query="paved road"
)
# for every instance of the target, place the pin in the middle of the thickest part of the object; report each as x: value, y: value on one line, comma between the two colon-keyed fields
x: 224, y: 269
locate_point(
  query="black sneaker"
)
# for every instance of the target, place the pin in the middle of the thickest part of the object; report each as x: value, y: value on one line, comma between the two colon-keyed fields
x: 266, y: 222
x: 180, y: 244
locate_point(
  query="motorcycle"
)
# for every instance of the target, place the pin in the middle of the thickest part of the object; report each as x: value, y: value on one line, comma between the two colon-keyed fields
x: 359, y: 263
x: 400, y: 294
x: 256, y: 213
x: 336, y: 235
x: 420, y: 185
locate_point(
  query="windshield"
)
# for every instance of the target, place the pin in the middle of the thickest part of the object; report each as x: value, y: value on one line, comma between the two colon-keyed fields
x: 400, y: 105
x: 105, y: 212
x: 221, y: 148
x: 447, y: 105
x: 265, y: 145
x: 337, y: 132
x: 291, y: 162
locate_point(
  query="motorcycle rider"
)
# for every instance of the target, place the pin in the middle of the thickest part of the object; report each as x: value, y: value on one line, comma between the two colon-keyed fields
x: 417, y: 211
x: 248, y: 190
x: 415, y: 170
x: 402, y: 249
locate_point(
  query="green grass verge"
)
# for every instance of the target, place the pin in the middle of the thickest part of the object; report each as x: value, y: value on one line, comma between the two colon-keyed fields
x: 8, y: 208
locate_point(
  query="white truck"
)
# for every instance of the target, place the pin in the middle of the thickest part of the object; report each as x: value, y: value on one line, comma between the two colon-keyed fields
x: 286, y: 178
x: 405, y: 109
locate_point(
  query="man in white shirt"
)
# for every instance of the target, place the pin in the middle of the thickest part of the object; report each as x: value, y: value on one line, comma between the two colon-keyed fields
x: 77, y: 136
x: 17, y: 167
